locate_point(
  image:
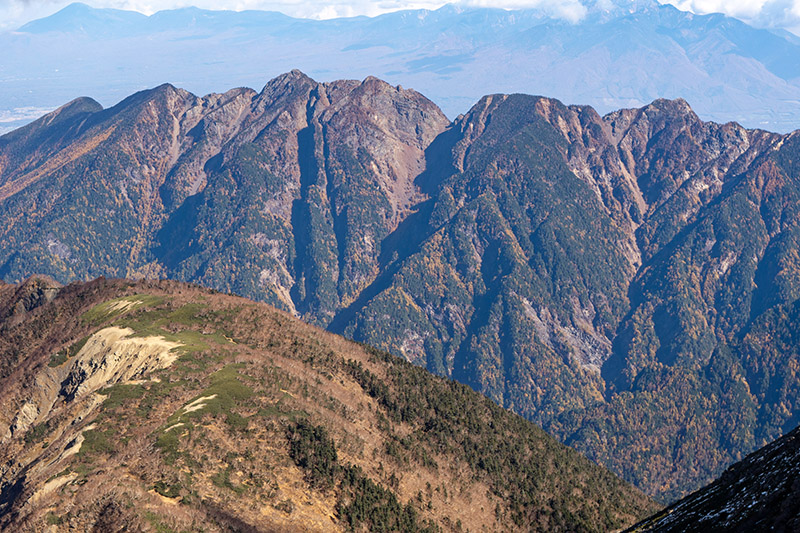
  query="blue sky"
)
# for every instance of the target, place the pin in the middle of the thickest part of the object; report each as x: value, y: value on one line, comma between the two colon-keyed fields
x: 762, y: 13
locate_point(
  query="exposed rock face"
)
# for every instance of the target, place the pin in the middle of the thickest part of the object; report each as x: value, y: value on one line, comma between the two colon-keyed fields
x: 33, y: 293
x: 110, y: 357
x: 106, y: 358
x: 570, y: 266
x: 657, y: 166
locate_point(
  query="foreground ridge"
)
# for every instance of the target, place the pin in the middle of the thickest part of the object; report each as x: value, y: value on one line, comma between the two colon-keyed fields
x: 170, y: 406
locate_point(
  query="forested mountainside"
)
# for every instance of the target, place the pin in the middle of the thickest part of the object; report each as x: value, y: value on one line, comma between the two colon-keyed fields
x: 161, y: 406
x: 628, y: 281
x: 283, y: 196
x: 760, y: 493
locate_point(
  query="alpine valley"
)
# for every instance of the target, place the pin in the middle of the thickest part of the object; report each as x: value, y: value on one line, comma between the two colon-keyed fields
x: 630, y: 282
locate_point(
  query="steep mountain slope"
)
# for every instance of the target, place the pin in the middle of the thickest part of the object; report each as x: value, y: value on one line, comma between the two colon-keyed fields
x: 519, y: 250
x: 608, y: 54
x: 158, y: 405
x: 691, y: 343
x: 759, y: 493
x: 305, y: 179
x: 628, y: 281
x: 646, y: 244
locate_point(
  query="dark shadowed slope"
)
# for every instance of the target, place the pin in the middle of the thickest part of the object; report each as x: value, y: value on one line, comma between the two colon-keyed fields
x: 760, y: 493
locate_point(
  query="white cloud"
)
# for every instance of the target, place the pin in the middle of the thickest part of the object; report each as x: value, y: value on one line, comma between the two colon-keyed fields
x: 746, y: 8
x: 760, y: 13
x: 571, y: 10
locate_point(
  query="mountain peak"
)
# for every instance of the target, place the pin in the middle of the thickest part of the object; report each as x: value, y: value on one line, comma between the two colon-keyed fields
x: 54, y: 121
x: 82, y: 18
x: 673, y: 107
x: 81, y: 104
x: 294, y: 78
x: 76, y: 7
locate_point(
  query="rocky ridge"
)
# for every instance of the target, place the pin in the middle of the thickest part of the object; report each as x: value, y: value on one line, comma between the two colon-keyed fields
x: 305, y: 137
x: 570, y: 266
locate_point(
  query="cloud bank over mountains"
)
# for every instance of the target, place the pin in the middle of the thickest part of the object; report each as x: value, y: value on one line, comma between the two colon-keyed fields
x: 592, y: 53
x: 783, y: 14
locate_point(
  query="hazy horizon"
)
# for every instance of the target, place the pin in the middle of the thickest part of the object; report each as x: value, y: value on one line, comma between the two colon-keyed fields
x: 755, y: 82
x: 771, y: 14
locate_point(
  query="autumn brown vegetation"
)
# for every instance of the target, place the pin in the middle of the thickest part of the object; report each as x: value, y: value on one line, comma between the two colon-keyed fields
x: 261, y: 423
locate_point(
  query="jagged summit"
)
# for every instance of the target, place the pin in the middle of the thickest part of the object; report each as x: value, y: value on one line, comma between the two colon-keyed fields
x: 30, y: 294
x: 294, y: 76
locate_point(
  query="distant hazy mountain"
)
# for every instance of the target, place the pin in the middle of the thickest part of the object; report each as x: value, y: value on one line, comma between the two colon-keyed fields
x: 623, y: 57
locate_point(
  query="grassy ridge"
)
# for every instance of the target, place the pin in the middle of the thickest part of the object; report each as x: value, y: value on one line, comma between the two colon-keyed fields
x: 269, y: 418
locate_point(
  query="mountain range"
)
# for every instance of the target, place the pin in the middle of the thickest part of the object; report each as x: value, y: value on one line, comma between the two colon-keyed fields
x: 628, y: 281
x: 159, y: 406
x: 620, y: 54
